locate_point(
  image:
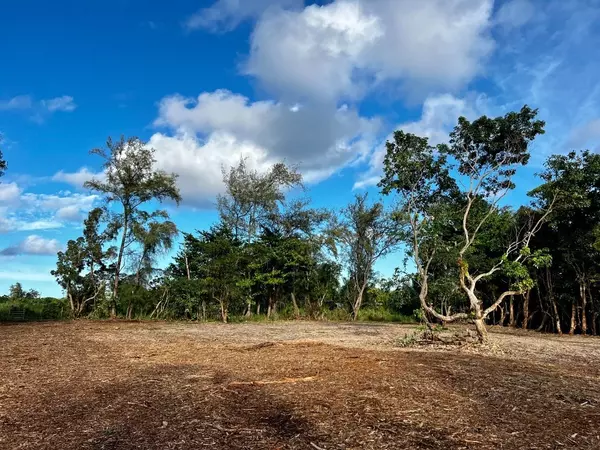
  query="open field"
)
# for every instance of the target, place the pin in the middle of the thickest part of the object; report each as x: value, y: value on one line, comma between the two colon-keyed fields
x: 292, y: 385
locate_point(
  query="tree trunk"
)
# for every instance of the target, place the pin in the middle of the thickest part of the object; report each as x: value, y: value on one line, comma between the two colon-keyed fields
x: 296, y: 309
x: 511, y: 312
x: 583, y: 295
x: 358, y: 302
x: 203, y: 310
x: 270, y: 307
x: 525, y: 310
x: 113, y: 310
x: 573, y: 318
x: 224, y: 312
x: 502, y: 315
x: 70, y: 295
x: 258, y: 308
x: 187, y: 267
x: 543, y: 324
x: 481, y: 330
x: 556, y: 316
x: 593, y: 310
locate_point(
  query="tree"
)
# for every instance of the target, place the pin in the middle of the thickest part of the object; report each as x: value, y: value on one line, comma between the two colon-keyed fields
x: 16, y: 291
x: 81, y: 269
x: 420, y: 178
x: 486, y: 152
x: 130, y: 181
x: 571, y: 185
x: 154, y: 238
x: 366, y: 234
x: 252, y: 198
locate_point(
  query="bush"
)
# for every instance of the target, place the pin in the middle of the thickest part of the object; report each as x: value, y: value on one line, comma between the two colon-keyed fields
x: 337, y: 314
x: 36, y: 309
x: 383, y: 315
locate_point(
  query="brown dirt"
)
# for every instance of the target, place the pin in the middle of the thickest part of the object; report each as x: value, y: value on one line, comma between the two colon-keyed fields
x: 296, y: 385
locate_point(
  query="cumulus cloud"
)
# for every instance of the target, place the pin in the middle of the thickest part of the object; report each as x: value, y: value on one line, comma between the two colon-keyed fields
x: 27, y: 211
x: 33, y: 245
x: 225, y: 15
x: 343, y: 48
x: 78, y: 178
x: 9, y: 193
x: 217, y: 129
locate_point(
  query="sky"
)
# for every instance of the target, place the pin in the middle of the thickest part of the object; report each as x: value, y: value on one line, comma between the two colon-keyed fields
x: 319, y: 85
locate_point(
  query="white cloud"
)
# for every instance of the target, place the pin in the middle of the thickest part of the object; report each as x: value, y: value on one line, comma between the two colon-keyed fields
x: 33, y: 245
x: 64, y: 103
x: 76, y: 179
x: 439, y: 116
x: 341, y: 49
x: 318, y: 138
x: 198, y: 163
x: 38, y: 111
x: 26, y: 211
x: 16, y: 103
x: 9, y: 193
x: 225, y: 15
x: 316, y: 52
x: 515, y: 13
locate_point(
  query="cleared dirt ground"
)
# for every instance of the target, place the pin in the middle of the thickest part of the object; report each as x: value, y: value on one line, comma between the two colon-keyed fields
x: 296, y: 385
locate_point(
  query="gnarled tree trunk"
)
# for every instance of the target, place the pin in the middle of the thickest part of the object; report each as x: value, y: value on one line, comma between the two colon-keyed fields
x: 525, y: 310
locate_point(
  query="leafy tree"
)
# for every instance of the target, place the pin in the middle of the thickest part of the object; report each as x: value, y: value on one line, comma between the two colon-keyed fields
x: 131, y: 181
x: 419, y: 176
x: 486, y: 152
x: 16, y: 291
x: 366, y: 234
x: 81, y: 269
x: 571, y: 185
x: 253, y: 198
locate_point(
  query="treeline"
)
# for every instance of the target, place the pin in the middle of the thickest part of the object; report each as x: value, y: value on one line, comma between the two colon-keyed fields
x: 461, y: 253
x: 21, y: 304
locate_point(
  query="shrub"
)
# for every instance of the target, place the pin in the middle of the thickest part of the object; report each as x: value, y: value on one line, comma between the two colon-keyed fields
x: 36, y: 309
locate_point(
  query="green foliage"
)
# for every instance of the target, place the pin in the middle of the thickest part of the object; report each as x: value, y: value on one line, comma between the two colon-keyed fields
x: 131, y: 181
x: 35, y: 309
x: 383, y: 315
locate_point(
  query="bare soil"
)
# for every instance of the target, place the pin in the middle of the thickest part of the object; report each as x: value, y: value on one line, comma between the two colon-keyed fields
x: 291, y: 385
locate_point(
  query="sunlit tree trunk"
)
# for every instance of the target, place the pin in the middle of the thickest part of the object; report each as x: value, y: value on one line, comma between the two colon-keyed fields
x: 573, y: 318
x: 583, y: 317
x: 525, y: 309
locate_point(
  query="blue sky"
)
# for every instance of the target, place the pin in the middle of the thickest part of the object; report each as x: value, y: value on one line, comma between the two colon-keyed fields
x: 320, y: 85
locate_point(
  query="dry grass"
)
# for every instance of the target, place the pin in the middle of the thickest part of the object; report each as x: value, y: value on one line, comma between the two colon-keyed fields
x: 296, y: 385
